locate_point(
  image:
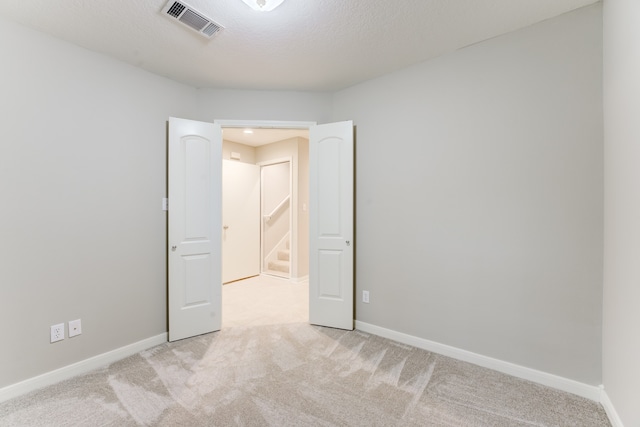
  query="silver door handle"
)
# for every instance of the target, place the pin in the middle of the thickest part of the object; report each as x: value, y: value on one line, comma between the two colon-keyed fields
x: 225, y: 227
x: 348, y: 243
x: 173, y: 248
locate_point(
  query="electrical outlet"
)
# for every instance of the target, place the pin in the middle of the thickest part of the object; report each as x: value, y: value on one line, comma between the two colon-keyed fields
x: 75, y: 328
x: 365, y: 297
x: 57, y: 332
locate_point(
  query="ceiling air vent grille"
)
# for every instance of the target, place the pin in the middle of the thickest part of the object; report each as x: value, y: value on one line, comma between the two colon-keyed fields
x: 211, y: 29
x: 176, y: 9
x: 190, y: 17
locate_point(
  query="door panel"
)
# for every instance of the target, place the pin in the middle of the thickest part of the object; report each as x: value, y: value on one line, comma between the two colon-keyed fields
x: 331, y: 283
x: 241, y: 220
x: 194, y: 224
x: 197, y: 277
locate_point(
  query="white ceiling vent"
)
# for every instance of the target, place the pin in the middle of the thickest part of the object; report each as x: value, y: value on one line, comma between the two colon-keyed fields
x: 190, y: 17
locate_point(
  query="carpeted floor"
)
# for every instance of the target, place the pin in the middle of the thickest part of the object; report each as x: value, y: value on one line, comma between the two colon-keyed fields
x: 264, y: 300
x: 295, y: 374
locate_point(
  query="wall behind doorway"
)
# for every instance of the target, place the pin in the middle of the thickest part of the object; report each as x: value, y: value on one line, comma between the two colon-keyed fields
x: 298, y: 150
x: 247, y: 153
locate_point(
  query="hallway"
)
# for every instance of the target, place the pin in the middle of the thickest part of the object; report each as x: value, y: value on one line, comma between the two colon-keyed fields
x: 264, y: 300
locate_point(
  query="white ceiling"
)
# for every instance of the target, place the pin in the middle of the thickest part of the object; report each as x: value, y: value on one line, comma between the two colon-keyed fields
x: 310, y: 45
x: 262, y: 136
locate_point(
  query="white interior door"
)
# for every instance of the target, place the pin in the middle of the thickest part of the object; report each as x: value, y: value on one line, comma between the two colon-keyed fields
x: 241, y: 220
x: 331, y: 225
x: 194, y: 235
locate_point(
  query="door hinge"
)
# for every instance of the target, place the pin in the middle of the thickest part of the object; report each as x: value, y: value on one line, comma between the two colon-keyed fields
x: 165, y: 204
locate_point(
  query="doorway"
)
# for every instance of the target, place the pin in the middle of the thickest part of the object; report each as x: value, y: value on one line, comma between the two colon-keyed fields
x: 282, y: 158
x: 276, y: 211
x: 195, y: 224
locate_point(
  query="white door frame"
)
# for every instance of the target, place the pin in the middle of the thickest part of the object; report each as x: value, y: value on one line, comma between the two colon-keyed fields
x: 293, y: 253
x: 264, y: 124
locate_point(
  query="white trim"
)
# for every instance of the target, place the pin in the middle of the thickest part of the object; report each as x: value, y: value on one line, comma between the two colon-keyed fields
x: 293, y: 213
x: 264, y: 124
x: 271, y: 276
x: 275, y: 161
x: 544, y: 378
x: 614, y: 418
x: 298, y: 280
x: 82, y: 367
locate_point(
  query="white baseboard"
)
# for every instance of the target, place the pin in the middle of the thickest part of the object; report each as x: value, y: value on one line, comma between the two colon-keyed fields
x: 597, y: 394
x: 82, y: 367
x: 614, y: 418
x: 295, y: 280
x: 550, y: 380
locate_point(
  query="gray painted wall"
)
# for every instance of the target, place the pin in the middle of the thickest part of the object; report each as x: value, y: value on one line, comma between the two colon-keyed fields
x: 82, y: 175
x: 217, y: 104
x: 621, y: 343
x: 479, y: 197
x: 83, y: 171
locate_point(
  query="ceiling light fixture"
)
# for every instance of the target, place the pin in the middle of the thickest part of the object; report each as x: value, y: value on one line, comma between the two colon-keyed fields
x: 247, y: 131
x: 263, y: 5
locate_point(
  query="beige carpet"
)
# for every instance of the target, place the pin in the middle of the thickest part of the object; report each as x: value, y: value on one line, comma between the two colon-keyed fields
x: 295, y: 374
x: 264, y: 300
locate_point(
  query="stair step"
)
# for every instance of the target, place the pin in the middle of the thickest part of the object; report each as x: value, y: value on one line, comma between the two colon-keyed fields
x: 284, y: 255
x: 282, y: 266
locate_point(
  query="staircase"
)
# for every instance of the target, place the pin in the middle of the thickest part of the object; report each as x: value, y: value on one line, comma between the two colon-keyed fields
x: 281, y: 265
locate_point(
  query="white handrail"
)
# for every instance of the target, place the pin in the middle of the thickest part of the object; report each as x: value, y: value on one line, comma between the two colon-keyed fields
x: 277, y: 208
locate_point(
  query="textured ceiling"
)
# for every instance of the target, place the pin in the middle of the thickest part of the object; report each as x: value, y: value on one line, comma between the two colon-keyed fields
x: 314, y: 45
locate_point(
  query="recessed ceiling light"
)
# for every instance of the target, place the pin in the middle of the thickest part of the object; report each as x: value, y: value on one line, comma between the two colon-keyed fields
x: 263, y: 5
x: 247, y: 131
